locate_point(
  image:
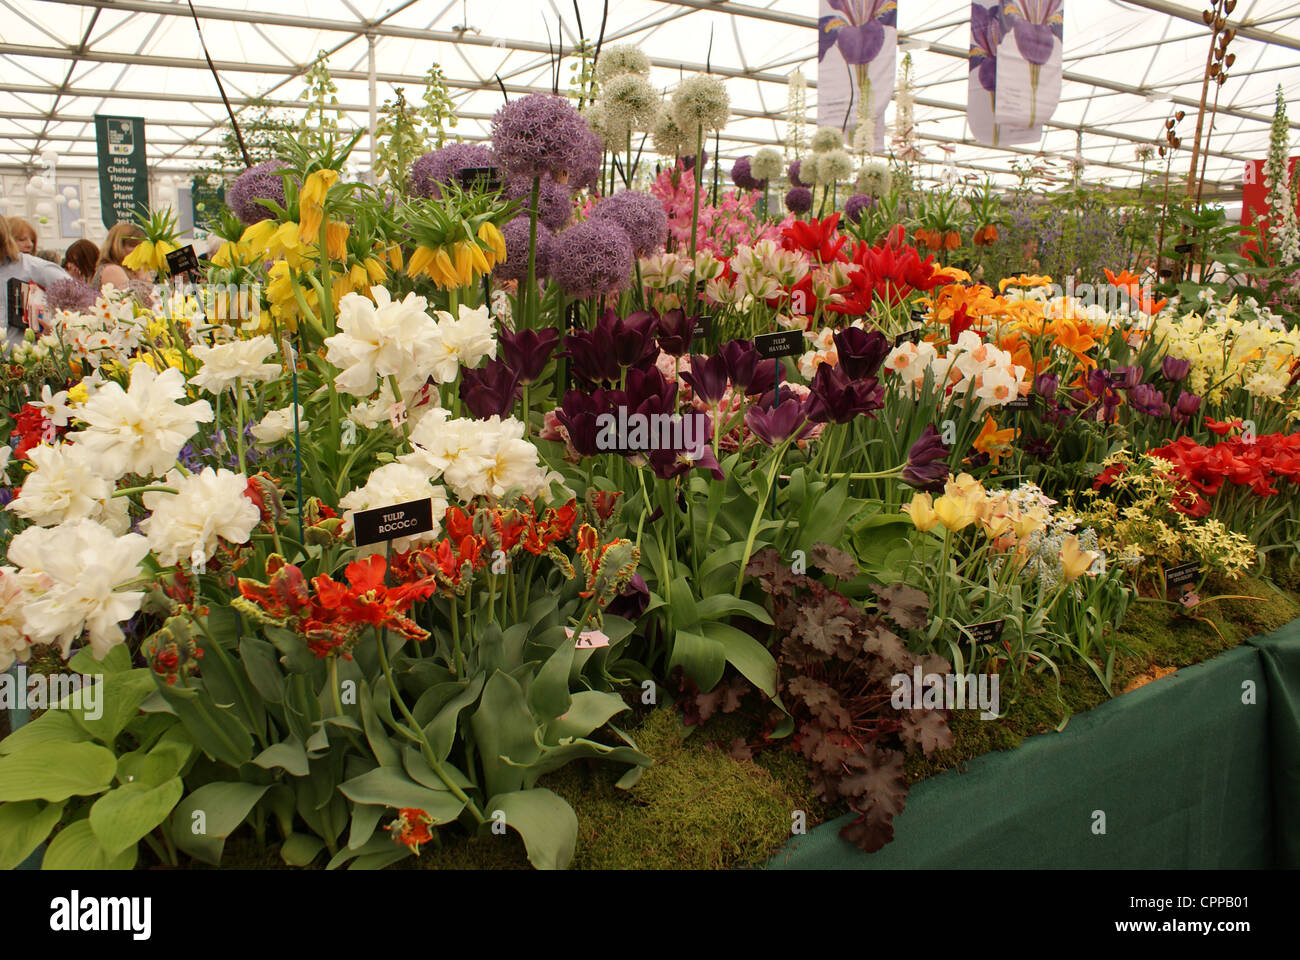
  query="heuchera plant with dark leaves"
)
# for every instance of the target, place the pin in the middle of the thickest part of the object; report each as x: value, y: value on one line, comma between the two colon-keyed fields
x: 836, y: 660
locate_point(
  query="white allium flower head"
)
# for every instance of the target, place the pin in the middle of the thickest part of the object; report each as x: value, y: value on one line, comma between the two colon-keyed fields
x: 766, y: 164
x: 875, y: 180
x: 833, y: 166
x: 669, y: 140
x: 70, y: 575
x: 208, y: 506
x: 621, y: 59
x: 827, y: 139
x: 141, y: 429
x: 629, y: 103
x: 700, y: 103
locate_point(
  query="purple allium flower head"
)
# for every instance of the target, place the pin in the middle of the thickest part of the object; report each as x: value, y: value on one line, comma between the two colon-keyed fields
x: 515, y: 265
x: 792, y: 172
x: 554, y: 200
x: 539, y: 134
x: 259, y: 182
x: 70, y: 294
x: 1175, y: 369
x: 585, y: 168
x: 743, y: 177
x: 799, y: 200
x: 856, y: 205
x: 443, y: 166
x: 642, y: 217
x: 927, y: 462
x: 592, y: 258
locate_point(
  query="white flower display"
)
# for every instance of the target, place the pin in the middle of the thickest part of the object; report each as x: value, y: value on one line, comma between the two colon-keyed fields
x: 142, y: 429
x: 239, y: 361
x: 5, y: 452
x: 71, y: 575
x: 277, y: 425
x: 386, y: 338
x: 67, y: 486
x: 13, y: 638
x: 391, y: 484
x: 464, y: 341
x: 208, y: 506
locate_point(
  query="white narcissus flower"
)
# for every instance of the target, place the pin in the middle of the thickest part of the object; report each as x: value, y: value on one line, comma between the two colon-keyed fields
x: 54, y: 407
x: 391, y: 484
x: 240, y: 360
x: 5, y: 452
x: 277, y: 425
x: 70, y: 575
x: 140, y: 430
x: 208, y: 506
x: 13, y: 638
x: 383, y: 339
x: 67, y: 486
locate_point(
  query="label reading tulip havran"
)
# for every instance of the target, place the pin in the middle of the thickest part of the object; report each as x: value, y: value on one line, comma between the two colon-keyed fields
x: 788, y: 343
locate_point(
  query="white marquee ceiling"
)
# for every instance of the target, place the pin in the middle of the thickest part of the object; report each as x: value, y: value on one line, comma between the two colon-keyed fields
x: 1129, y: 64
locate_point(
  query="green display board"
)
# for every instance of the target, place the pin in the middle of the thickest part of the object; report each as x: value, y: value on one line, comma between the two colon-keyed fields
x: 206, y: 201
x: 1198, y: 770
x: 123, y: 168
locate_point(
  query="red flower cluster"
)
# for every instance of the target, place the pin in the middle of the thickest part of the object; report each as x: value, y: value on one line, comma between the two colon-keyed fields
x: 31, y: 429
x: 1260, y: 465
x: 892, y: 272
x: 331, y: 615
x: 817, y: 238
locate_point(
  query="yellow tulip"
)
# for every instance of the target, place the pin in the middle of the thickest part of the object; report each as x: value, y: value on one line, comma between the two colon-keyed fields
x: 1075, y: 562
x: 964, y: 486
x: 995, y: 525
x: 921, y: 510
x: 955, y: 513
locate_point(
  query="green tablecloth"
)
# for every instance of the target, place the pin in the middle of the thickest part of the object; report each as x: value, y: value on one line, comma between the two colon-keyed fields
x: 1186, y: 774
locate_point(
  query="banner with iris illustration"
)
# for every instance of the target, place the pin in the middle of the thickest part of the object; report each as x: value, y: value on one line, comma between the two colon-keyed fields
x: 982, y: 88
x: 856, y: 61
x: 1030, y: 43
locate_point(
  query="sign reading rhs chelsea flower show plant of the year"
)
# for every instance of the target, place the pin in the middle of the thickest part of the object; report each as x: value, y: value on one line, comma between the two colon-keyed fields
x: 856, y: 61
x: 123, y: 170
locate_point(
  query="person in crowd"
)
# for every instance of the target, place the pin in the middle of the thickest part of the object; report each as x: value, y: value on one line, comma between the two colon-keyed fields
x: 24, y: 235
x: 122, y: 238
x: 51, y: 255
x: 16, y: 265
x: 81, y: 259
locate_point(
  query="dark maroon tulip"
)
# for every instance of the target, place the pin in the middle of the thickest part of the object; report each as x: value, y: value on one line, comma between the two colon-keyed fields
x: 676, y: 331
x: 1188, y: 405
x: 489, y: 391
x: 837, y: 399
x: 1046, y: 385
x: 1146, y: 399
x: 779, y: 422
x: 634, y: 337
x: 528, y: 351
x: 580, y: 413
x: 649, y: 392
x: 707, y: 377
x: 1126, y: 378
x: 741, y: 359
x: 632, y: 602
x: 861, y: 352
x: 591, y: 355
x: 927, y: 462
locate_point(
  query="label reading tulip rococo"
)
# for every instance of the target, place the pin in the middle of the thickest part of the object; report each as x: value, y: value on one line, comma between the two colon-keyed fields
x: 390, y: 523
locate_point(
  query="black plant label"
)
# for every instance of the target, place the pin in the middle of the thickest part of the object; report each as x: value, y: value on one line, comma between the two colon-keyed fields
x: 990, y: 632
x: 184, y: 260
x: 788, y: 343
x: 389, y: 523
x: 909, y: 336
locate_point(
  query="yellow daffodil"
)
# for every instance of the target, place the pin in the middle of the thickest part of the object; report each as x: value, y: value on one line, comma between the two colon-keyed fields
x: 921, y: 510
x: 954, y: 512
x: 1075, y: 562
x: 311, y: 203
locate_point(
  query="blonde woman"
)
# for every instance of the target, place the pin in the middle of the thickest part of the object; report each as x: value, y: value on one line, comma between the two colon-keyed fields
x: 23, y: 267
x: 24, y: 235
x: 122, y: 238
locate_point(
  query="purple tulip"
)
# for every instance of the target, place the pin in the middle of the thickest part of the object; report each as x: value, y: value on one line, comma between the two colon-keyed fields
x: 1146, y: 399
x: 1188, y: 405
x: 1046, y: 385
x: 778, y: 423
x: 708, y: 378
x: 632, y: 602
x: 489, y: 391
x: 649, y: 392
x: 1126, y: 378
x: 634, y: 337
x: 927, y: 462
x: 580, y: 413
x: 861, y: 352
x: 1175, y: 369
x: 528, y: 351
